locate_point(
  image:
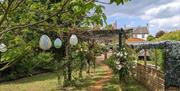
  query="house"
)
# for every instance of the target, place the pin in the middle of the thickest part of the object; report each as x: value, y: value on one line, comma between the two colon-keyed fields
x: 140, y: 32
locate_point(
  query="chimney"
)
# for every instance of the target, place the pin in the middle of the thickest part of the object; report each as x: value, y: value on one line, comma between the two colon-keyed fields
x: 147, y: 25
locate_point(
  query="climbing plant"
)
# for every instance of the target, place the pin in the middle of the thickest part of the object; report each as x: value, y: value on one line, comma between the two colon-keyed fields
x: 121, y: 62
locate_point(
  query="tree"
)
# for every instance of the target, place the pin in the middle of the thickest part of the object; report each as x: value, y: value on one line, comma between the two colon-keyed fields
x: 159, y: 34
x: 23, y: 21
x: 173, y: 35
x: 150, y: 38
x: 18, y: 17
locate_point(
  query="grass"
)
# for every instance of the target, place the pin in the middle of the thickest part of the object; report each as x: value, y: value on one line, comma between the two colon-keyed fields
x: 42, y: 82
x: 148, y: 62
x: 133, y: 85
x: 114, y: 85
x: 48, y: 82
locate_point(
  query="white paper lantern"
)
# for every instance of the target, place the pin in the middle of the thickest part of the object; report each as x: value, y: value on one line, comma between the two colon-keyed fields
x: 45, y: 42
x: 57, y: 43
x: 73, y: 40
x: 3, y: 47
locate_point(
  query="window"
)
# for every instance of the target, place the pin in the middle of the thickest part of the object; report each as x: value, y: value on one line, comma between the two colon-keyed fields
x: 143, y: 35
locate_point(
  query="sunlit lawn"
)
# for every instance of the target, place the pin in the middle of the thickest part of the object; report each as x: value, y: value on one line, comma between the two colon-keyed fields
x: 148, y: 62
x: 48, y: 82
x: 42, y: 82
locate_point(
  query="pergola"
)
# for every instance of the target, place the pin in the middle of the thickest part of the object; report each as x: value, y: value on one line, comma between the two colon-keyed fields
x: 172, y: 59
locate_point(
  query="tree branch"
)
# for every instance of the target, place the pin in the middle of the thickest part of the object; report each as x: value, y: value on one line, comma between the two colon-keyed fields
x: 41, y: 21
x: 18, y: 4
x: 3, y: 8
x: 6, y: 12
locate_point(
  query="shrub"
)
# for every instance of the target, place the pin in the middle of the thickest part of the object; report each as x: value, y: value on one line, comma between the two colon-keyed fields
x: 121, y: 62
x: 30, y: 64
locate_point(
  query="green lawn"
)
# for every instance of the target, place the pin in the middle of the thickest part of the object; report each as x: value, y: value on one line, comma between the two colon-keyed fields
x: 48, y: 82
x: 148, y: 62
x: 42, y: 82
x: 114, y: 85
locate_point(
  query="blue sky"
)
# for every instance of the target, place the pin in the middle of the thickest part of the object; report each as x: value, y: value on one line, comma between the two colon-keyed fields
x: 158, y: 14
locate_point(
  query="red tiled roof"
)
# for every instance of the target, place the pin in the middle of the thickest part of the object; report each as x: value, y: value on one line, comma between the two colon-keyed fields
x: 134, y: 40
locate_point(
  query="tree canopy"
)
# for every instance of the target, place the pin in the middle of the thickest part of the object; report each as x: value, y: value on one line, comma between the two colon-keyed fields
x: 22, y: 22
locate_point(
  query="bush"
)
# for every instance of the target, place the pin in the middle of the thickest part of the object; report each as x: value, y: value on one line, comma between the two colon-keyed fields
x: 174, y: 35
x: 121, y: 62
x: 32, y: 63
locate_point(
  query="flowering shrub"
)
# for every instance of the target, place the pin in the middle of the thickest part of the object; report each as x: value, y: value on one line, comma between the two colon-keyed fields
x: 121, y: 62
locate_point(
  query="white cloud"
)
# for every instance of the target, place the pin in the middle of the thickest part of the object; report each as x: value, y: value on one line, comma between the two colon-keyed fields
x: 163, y: 11
x: 166, y: 23
x: 161, y: 14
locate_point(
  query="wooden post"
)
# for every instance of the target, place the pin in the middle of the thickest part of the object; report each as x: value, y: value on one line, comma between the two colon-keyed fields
x: 145, y: 57
x: 68, y: 49
x: 105, y: 53
x: 155, y: 51
x: 145, y: 65
x: 120, y: 38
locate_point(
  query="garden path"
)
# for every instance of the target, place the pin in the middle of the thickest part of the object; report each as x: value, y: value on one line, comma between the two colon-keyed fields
x: 105, y: 78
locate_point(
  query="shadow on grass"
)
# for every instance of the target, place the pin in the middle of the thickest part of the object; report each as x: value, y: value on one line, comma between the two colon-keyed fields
x: 133, y: 85
x: 83, y: 83
x: 114, y: 85
x: 39, y: 77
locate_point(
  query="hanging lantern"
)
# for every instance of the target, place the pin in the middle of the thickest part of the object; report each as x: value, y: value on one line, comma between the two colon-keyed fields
x: 57, y: 43
x: 73, y: 39
x: 3, y: 47
x: 45, y: 42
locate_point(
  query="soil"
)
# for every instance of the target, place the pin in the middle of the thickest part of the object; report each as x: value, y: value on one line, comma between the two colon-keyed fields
x: 106, y: 77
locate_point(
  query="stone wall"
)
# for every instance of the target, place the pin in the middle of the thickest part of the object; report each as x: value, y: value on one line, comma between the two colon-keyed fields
x: 172, y: 64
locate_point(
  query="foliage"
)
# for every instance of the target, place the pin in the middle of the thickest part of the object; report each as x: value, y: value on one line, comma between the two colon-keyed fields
x: 22, y: 22
x: 121, y: 62
x: 159, y: 56
x: 150, y: 38
x: 80, y: 58
x: 174, y: 35
x: 29, y: 65
x: 159, y: 34
x: 22, y: 19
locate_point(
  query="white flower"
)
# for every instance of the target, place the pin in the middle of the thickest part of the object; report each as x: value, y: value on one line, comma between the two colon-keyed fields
x: 125, y: 56
x: 117, y: 62
x: 121, y: 55
x: 125, y: 53
x: 77, y: 51
x: 118, y: 54
x: 136, y: 61
x: 118, y: 67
